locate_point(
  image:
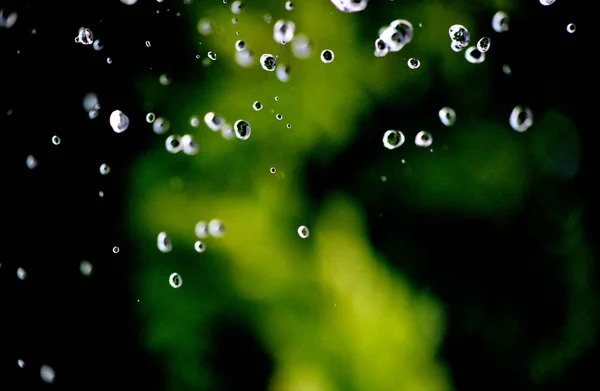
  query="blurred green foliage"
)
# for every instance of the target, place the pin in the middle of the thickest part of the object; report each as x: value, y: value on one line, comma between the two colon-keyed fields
x: 327, y: 309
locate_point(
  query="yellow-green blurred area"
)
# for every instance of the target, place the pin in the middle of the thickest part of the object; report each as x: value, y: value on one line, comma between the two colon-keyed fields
x: 362, y: 303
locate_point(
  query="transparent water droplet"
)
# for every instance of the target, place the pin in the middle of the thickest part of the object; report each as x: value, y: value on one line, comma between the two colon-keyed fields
x: 350, y: 5
x: 423, y: 139
x: 97, y: 45
x: 47, y: 374
x: 195, y: 122
x: 104, y: 169
x: 119, y: 121
x: 227, y: 132
x: 237, y: 7
x: 474, y: 56
x: 85, y: 268
x: 500, y: 22
x: 257, y: 106
x: 413, y: 63
x: 242, y: 129
x: 392, y: 139
x: 216, y: 228
x: 212, y: 55
x: 150, y: 117
x: 199, y: 246
x: 397, y: 34
x: 279, y: 117
x: 201, y: 229
x: 148, y: 44
x: 521, y: 118
x: 459, y: 34
x: 240, y: 45
x: 381, y: 48
x: 21, y: 363
x: 205, y: 26
x: 161, y: 125
x: 175, y: 280
x: 303, y: 231
x: 244, y: 58
x: 173, y: 144
x: 213, y: 121
x: 571, y: 28
x: 85, y: 35
x: 284, y: 31
x: 268, y: 62
x: 109, y: 60
x: 163, y: 242
x: 21, y: 273
x: 272, y: 170
x: 483, y: 45
x: 189, y: 145
x: 116, y: 249
x: 283, y: 73
x: 302, y: 47
x: 289, y: 5
x: 547, y: 2
x: 506, y: 69
x: 31, y: 162
x: 55, y: 140
x: 327, y: 56
x: 447, y: 116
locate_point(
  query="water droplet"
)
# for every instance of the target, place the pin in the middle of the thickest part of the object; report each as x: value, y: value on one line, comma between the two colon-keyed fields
x: 194, y: 121
x: 104, y: 169
x: 289, y: 5
x: 500, y: 22
x: 474, y: 56
x: 119, y: 121
x: 85, y: 268
x: 240, y: 45
x: 47, y: 374
x: 201, y: 229
x: 327, y: 56
x: 189, y: 145
x: 161, y: 125
x: 237, y: 7
x: 242, y: 129
x: 97, y: 45
x: 175, y: 280
x: 350, y: 5
x: 459, y: 34
x: 268, y: 62
x: 303, y: 231
x: 284, y: 31
x: 521, y: 118
x: 483, y: 45
x: 547, y: 2
x: 283, y: 73
x: 279, y: 117
x: 164, y: 79
x: 148, y: 44
x: 20, y: 363
x: 413, y: 63
x: 173, y: 144
x: 55, y: 140
x: 257, y: 106
x: 216, y: 228
x: 150, y: 117
x: 31, y: 162
x: 85, y: 36
x: 116, y: 249
x: 392, y: 139
x: 272, y: 170
x: 212, y: 55
x: 199, y: 246
x: 108, y: 60
x: 506, y: 69
x: 163, y: 242
x: 571, y: 28
x: 213, y: 121
x: 302, y: 47
x: 381, y: 48
x: 447, y: 116
x: 423, y: 139
x: 21, y: 273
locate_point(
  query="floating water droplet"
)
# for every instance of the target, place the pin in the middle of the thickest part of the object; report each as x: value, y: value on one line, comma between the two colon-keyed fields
x: 272, y: 170
x: 500, y: 22
x: 21, y: 273
x: 164, y: 243
x: 31, y: 162
x: 447, y: 116
x: 350, y: 5
x: 213, y: 121
x: 289, y: 5
x: 212, y: 55
x: 55, y: 140
x: 423, y: 139
x: 216, y: 228
x: 150, y: 117
x: 194, y: 121
x: 20, y: 363
x: 173, y: 144
x: 547, y: 2
x: 148, y: 44
x: 459, y: 34
x: 240, y: 45
x: 189, y: 145
x: 227, y: 132
x: 242, y: 129
x: 381, y: 48
x: 47, y: 374
x: 268, y: 62
x: 284, y: 31
x: 161, y: 125
x: 237, y: 7
x: 175, y: 280
x: 506, y: 69
x: 201, y: 229
x: 521, y: 118
x: 97, y: 45
x: 302, y: 47
x: 279, y: 117
x: 283, y: 72
x: 85, y: 36
x: 199, y: 246
x: 164, y: 79
x: 85, y: 268
x: 257, y: 106
x: 303, y: 231
x: 119, y: 121
x: 571, y: 28
x: 413, y: 63
x: 104, y: 169
x: 392, y: 139
x: 474, y: 56
x: 116, y: 249
x: 483, y: 45
x: 327, y: 56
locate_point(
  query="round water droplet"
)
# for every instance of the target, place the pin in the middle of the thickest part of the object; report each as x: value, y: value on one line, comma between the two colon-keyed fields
x: 547, y: 2
x: 161, y: 125
x: 500, y: 22
x: 423, y: 139
x: 175, y: 280
x: 21, y: 363
x: 272, y: 170
x: 268, y: 62
x: 189, y: 145
x: 47, y: 374
x: 350, y: 5
x: 483, y: 45
x: 97, y: 45
x: 240, y: 45
x: 104, y: 169
x: 227, y: 132
x: 413, y: 63
x: 212, y: 55
x: 327, y: 56
x: 284, y: 31
x: 194, y: 121
x: 237, y: 7
x: 216, y: 228
x: 283, y: 73
x: 119, y: 121
x: 242, y: 129
x: 108, y: 60
x: 392, y: 139
x: 571, y: 28
x: 397, y: 34
x: 201, y: 229
x: 31, y: 162
x: 289, y: 5
x: 506, y: 69
x: 303, y: 231
x: 459, y: 34
x: 55, y: 140
x: 173, y: 144
x: 447, y: 116
x: 381, y: 48
x: 164, y: 243
x: 244, y: 58
x: 257, y: 106
x: 85, y: 268
x: 474, y: 56
x: 288, y: 125
x: 116, y: 249
x: 148, y: 44
x: 302, y: 47
x: 279, y: 117
x: 213, y: 121
x: 199, y: 246
x: 521, y: 118
x: 150, y: 117
x: 21, y: 273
